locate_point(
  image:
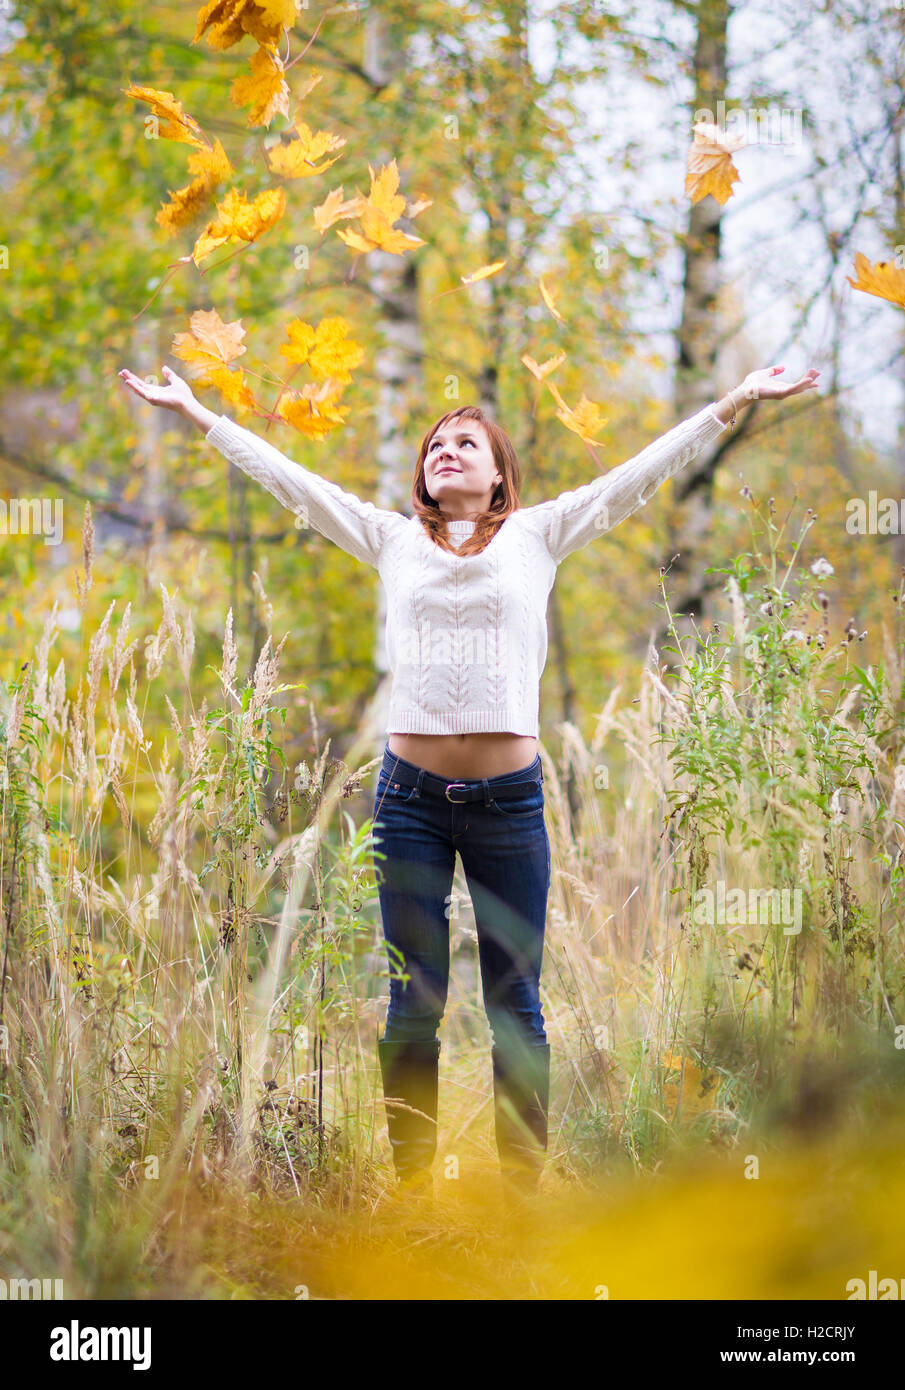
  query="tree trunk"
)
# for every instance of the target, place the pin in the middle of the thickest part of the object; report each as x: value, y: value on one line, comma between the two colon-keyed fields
x: 688, y: 585
x: 401, y: 390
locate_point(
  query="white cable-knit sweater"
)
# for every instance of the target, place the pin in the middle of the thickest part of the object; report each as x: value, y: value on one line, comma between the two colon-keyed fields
x: 466, y: 635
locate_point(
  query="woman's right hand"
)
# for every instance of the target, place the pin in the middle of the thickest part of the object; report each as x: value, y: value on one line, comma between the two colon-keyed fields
x: 176, y: 395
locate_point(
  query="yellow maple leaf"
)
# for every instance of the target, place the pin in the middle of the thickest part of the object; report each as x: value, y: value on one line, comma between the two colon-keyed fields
x: 378, y: 236
x: 225, y: 24
x: 264, y: 89
x: 210, y: 342
x: 357, y: 241
x: 270, y: 17
x: 545, y: 368
x: 313, y: 410
x: 710, y: 167
x: 205, y: 244
x: 210, y: 167
x: 239, y: 220
x: 327, y: 349
x: 884, y: 280
x: 585, y: 420
x: 384, y: 196
x: 693, y: 1094
x: 333, y: 208
x: 174, y: 123
x: 298, y: 159
x: 230, y: 20
x: 231, y: 385
x: 377, y: 213
x: 301, y: 337
x: 548, y: 300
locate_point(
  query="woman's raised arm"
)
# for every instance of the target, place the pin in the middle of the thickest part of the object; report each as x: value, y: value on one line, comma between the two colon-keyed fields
x: 574, y: 518
x: 357, y: 527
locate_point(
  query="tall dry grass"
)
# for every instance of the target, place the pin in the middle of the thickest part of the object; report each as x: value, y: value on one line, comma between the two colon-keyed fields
x: 193, y: 976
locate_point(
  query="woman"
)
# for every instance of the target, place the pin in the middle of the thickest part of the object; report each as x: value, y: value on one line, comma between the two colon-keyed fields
x: 467, y: 580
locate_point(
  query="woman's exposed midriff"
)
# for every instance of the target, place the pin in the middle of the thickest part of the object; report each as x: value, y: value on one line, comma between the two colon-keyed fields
x: 465, y: 756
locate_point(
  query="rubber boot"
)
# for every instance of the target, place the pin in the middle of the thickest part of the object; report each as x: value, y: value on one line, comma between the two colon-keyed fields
x: 410, y: 1073
x: 521, y: 1098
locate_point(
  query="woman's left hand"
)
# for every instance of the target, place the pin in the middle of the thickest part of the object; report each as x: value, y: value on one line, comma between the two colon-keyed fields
x: 762, y: 386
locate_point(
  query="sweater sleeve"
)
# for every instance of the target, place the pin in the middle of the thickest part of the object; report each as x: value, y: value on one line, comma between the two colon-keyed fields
x: 573, y: 519
x: 357, y: 527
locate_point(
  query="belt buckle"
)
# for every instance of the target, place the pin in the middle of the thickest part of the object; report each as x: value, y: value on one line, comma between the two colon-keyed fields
x: 452, y: 798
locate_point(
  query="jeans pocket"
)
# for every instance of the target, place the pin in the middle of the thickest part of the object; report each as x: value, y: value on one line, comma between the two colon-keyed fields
x: 388, y: 790
x: 520, y: 807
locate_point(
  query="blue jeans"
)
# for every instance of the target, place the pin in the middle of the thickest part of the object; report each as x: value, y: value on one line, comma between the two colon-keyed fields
x: 505, y: 852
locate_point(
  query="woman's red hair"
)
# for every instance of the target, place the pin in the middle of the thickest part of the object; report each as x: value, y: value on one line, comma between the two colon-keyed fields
x: 505, y: 496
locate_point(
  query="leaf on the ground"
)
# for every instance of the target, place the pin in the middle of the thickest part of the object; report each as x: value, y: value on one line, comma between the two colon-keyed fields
x: 693, y: 1093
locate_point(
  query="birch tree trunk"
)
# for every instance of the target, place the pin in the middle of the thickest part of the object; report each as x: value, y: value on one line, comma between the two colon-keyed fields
x: 401, y: 386
x: 699, y: 330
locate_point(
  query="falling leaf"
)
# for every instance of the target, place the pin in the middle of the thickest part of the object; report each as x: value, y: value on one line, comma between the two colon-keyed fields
x: 417, y: 205
x: 884, y: 280
x: 585, y: 420
x: 483, y: 274
x: 548, y: 300
x: 239, y: 220
x: 545, y: 368
x: 309, y: 86
x: 333, y: 208
x: 313, y: 410
x: 230, y: 20
x: 210, y: 167
x: 264, y: 89
x: 710, y: 167
x: 210, y: 342
x: 175, y: 124
x: 298, y: 159
x: 327, y: 349
x: 377, y: 213
x: 231, y: 385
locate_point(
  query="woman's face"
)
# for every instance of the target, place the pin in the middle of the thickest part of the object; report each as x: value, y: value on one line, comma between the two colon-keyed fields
x: 460, y: 473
